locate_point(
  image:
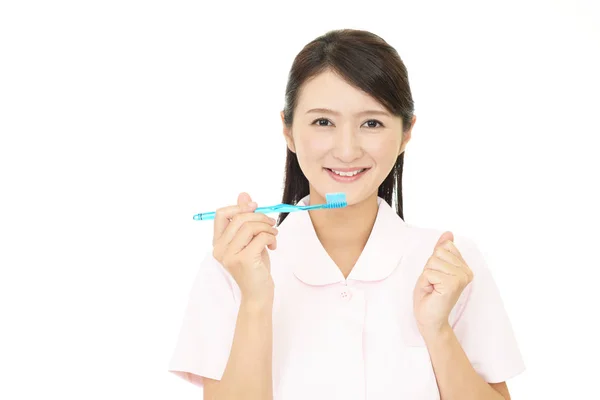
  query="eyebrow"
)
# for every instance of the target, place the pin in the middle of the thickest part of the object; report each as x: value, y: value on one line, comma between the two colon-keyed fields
x: 329, y: 111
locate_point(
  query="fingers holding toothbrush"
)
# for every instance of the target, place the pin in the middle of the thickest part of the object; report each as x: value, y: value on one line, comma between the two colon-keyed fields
x: 240, y: 242
x: 224, y: 215
x: 242, y: 217
x: 249, y: 224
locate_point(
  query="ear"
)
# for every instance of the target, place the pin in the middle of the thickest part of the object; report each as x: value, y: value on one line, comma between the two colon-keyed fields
x: 407, y: 135
x: 287, y: 134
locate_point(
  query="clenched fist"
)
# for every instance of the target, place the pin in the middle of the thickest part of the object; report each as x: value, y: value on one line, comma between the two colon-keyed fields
x: 444, y: 277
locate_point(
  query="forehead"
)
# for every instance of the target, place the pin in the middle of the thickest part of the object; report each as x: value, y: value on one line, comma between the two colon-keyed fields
x: 329, y: 90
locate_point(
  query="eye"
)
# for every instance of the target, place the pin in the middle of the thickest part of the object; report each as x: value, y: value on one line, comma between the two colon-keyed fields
x: 372, y: 122
x: 320, y: 121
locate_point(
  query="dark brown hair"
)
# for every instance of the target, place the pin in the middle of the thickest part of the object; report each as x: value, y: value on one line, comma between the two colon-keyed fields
x: 367, y: 62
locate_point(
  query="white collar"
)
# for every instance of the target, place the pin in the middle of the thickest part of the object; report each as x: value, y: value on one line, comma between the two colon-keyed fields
x: 389, y: 241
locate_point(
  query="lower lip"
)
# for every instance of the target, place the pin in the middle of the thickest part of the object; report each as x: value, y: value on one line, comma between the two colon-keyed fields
x: 345, y: 179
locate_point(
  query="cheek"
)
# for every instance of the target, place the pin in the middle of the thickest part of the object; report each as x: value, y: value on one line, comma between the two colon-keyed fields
x: 312, y: 147
x: 384, y: 151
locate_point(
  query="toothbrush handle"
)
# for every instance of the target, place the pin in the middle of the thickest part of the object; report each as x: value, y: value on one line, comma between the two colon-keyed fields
x: 205, y: 216
x: 278, y: 208
x: 265, y: 210
x: 287, y: 208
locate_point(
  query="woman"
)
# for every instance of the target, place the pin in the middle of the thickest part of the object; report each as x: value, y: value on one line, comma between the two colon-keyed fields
x: 349, y: 303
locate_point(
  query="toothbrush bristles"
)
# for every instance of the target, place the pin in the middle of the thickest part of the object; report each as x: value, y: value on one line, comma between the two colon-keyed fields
x: 336, y: 200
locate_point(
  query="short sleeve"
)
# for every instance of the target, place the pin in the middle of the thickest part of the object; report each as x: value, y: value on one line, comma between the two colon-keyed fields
x: 483, y: 327
x: 206, y: 334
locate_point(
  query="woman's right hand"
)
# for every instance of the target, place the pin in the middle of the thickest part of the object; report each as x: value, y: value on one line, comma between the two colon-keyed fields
x: 240, y: 242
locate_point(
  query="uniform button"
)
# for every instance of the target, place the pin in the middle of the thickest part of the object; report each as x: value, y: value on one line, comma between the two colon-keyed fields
x: 345, y: 295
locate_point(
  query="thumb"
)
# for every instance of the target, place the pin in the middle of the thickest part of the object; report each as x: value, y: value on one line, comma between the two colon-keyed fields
x: 445, y: 237
x: 243, y: 199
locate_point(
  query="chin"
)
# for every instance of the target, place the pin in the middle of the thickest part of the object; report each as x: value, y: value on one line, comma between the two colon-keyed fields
x: 358, y: 198
x: 353, y: 195
x: 356, y: 192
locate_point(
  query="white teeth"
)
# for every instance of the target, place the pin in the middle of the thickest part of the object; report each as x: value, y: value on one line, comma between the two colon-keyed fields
x: 347, y: 173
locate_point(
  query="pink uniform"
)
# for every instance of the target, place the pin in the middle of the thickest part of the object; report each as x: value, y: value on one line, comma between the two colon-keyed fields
x: 354, y: 338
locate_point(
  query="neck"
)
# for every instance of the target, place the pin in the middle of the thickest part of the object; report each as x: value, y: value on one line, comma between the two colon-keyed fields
x: 345, y: 228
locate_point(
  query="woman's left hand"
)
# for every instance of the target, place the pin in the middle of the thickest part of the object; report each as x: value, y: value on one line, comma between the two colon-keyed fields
x: 441, y: 283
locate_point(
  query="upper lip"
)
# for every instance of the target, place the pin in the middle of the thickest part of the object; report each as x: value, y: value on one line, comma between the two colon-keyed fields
x: 348, y: 169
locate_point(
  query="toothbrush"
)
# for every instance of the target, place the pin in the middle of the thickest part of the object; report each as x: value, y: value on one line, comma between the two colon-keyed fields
x: 333, y: 200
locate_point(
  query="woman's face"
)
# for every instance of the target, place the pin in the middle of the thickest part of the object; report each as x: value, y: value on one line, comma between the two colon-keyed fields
x: 344, y: 139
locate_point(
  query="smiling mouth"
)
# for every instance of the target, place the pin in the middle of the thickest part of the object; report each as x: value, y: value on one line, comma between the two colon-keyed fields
x: 349, y: 174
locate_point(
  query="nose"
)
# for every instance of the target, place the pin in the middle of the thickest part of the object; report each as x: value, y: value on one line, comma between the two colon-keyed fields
x: 347, y: 145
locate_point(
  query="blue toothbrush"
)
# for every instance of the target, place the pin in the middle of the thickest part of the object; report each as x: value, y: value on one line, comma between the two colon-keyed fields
x: 333, y: 200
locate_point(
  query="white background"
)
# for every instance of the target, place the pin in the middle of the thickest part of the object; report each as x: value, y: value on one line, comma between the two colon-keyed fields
x: 119, y: 120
